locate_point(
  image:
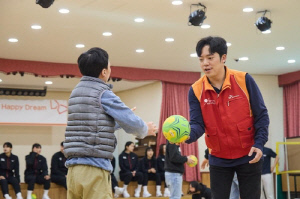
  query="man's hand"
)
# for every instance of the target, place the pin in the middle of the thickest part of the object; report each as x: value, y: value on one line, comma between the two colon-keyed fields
x: 133, y: 109
x: 152, y: 129
x: 2, y: 177
x: 47, y: 177
x: 257, y: 156
x: 153, y: 170
x: 133, y: 173
x: 190, y: 160
x: 204, y: 163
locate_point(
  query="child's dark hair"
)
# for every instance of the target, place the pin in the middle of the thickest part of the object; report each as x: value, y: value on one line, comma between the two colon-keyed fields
x: 127, y: 144
x: 7, y: 144
x: 36, y: 145
x: 148, y: 149
x: 216, y: 45
x: 92, y: 62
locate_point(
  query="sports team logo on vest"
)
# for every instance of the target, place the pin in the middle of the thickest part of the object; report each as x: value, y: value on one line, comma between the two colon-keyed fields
x: 231, y: 96
x: 209, y: 101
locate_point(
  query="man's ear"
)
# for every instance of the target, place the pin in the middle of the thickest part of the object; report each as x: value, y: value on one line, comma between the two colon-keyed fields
x: 223, y: 59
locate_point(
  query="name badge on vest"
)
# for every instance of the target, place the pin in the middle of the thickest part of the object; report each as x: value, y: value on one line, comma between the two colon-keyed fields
x: 12, y: 160
x: 124, y: 157
x: 2, y: 159
x: 163, y: 159
x: 133, y: 157
x: 60, y: 159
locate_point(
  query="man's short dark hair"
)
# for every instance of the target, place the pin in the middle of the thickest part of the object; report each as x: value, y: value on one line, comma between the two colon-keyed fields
x: 7, y: 144
x: 216, y: 45
x: 92, y: 62
x: 36, y: 145
x: 62, y: 144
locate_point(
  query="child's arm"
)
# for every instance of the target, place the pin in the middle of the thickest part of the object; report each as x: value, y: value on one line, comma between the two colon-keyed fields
x: 174, y: 154
x: 123, y: 115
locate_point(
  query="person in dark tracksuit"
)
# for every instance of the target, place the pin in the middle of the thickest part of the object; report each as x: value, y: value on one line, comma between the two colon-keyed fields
x: 9, y: 171
x: 128, y: 162
x: 148, y: 167
x: 58, y: 169
x: 199, y: 191
x: 160, y: 161
x: 114, y: 183
x: 36, y: 171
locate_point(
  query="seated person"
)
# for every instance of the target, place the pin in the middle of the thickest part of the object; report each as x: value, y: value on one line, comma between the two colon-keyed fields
x: 114, y: 183
x: 58, y: 169
x: 128, y: 162
x: 160, y: 161
x: 9, y: 171
x: 36, y: 171
x: 199, y: 191
x: 148, y: 167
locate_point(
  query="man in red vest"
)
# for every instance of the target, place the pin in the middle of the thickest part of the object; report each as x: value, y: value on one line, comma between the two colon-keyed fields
x: 228, y: 107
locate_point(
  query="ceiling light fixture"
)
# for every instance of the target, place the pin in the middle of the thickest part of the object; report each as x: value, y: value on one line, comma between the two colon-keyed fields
x: 64, y: 11
x: 193, y: 55
x: 243, y: 59
x: 80, y: 45
x: 291, y: 61
x: 36, y: 27
x: 266, y: 32
x: 139, y: 20
x: 13, y: 40
x: 263, y: 23
x: 48, y: 82
x: 44, y: 3
x: 197, y: 17
x: 176, y: 3
x: 280, y: 48
x: 0, y: 80
x: 248, y: 10
x: 169, y: 39
x: 139, y: 50
x: 107, y: 34
x: 205, y: 26
x: 228, y: 44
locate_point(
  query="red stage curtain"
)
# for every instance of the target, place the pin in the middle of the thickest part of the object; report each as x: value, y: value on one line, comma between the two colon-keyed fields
x: 175, y: 102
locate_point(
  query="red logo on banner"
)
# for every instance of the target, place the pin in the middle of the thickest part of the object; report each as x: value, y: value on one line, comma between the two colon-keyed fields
x: 54, y: 104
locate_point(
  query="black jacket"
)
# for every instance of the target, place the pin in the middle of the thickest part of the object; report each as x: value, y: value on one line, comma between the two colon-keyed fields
x: 9, y: 166
x: 113, y: 163
x: 58, y: 164
x: 160, y: 164
x: 36, y: 165
x: 201, y: 191
x: 128, y: 162
x: 146, y: 164
x: 174, y: 161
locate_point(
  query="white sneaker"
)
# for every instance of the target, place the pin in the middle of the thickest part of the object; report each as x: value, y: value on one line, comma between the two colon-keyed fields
x: 7, y: 196
x: 119, y: 190
x: 126, y: 194
x: 46, y: 197
x: 137, y: 193
x: 19, y: 197
x: 158, y: 194
x: 116, y: 195
x: 167, y: 193
x: 146, y: 194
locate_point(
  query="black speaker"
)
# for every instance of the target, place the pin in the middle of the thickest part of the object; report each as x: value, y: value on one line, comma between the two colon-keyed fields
x: 45, y: 3
x: 197, y: 17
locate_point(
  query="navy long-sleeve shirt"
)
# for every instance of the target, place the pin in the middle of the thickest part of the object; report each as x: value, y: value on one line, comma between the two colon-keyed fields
x: 261, y: 123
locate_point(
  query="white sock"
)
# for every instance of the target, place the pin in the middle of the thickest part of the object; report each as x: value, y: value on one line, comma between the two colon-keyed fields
x: 125, y: 187
x: 157, y: 187
x: 6, y: 196
x: 166, y: 189
x: 19, y: 195
x: 46, y: 192
x: 29, y: 194
x: 139, y: 187
x: 145, y: 189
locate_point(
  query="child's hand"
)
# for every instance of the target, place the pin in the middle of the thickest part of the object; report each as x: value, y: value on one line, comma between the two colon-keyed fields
x: 152, y: 129
x: 190, y: 161
x: 204, y: 163
x: 133, y: 109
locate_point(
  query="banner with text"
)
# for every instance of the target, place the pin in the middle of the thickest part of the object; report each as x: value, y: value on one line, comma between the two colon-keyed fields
x: 33, y: 112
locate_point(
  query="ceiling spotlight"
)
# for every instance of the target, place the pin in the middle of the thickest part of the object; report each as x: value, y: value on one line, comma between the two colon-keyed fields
x: 45, y: 3
x: 228, y: 44
x: 280, y: 48
x: 107, y: 34
x: 64, y: 11
x: 0, y: 80
x: 197, y: 17
x: 247, y: 9
x: 243, y: 59
x: 193, y: 55
x: 139, y: 50
x: 48, y: 82
x: 263, y: 23
x: 13, y: 40
x: 205, y: 26
x: 36, y: 27
x: 139, y: 20
x: 80, y: 45
x: 291, y: 61
x: 176, y: 3
x: 169, y: 39
x: 266, y: 31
